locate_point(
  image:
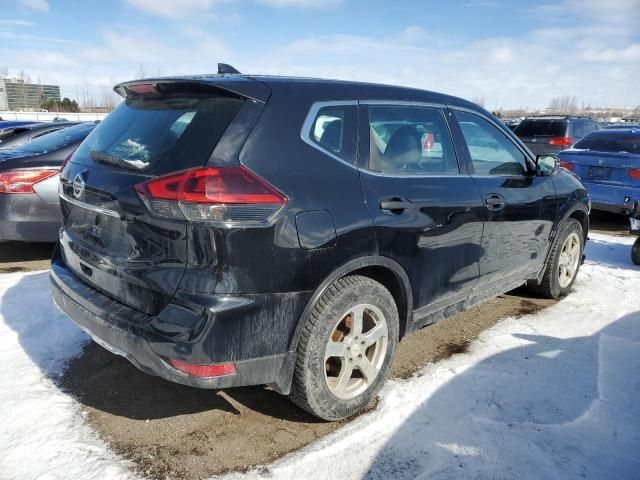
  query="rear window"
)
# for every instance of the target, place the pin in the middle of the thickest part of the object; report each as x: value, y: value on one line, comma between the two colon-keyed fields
x: 155, y: 135
x: 532, y: 128
x: 608, y: 141
x: 58, y: 139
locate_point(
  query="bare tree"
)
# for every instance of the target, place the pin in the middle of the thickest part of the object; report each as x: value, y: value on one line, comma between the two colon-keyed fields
x: 564, y: 105
x: 141, y: 72
x: 479, y: 101
x: 4, y: 72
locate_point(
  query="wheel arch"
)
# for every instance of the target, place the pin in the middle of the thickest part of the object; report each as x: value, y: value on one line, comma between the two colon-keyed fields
x: 381, y: 269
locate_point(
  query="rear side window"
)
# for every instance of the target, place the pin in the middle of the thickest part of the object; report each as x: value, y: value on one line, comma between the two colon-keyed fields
x: 334, y: 130
x: 607, y: 141
x: 410, y: 140
x: 491, y: 152
x: 160, y: 134
x: 532, y: 128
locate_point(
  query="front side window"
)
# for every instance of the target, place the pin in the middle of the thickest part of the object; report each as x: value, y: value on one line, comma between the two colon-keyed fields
x: 334, y: 131
x: 491, y: 151
x: 406, y: 140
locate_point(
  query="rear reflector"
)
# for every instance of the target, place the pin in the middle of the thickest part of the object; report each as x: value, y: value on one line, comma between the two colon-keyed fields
x: 560, y: 141
x: 566, y: 166
x: 207, y: 370
x: 635, y: 173
x: 225, y: 194
x: 23, y: 180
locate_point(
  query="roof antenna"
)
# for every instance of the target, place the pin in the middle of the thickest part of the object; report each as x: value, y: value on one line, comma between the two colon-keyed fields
x: 223, y: 68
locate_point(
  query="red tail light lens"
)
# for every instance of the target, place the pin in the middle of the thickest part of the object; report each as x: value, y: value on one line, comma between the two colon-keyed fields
x: 210, y: 370
x: 560, y: 141
x: 566, y: 166
x: 225, y: 194
x: 23, y: 180
x: 635, y: 173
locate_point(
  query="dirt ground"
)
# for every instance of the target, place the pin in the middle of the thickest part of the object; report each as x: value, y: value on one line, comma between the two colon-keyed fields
x: 24, y: 257
x: 173, y: 431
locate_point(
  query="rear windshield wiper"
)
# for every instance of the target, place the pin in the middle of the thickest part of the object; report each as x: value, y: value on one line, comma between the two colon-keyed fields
x: 106, y: 158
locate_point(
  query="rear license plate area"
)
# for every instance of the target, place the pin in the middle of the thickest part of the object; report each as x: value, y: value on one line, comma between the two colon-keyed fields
x: 599, y: 173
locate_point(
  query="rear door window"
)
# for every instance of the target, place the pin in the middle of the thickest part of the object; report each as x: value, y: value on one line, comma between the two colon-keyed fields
x: 160, y: 134
x: 406, y: 140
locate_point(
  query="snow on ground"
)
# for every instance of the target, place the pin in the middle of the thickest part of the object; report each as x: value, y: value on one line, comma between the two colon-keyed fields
x: 550, y: 395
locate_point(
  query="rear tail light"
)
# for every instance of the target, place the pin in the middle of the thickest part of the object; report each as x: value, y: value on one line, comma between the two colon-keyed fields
x: 566, y: 166
x: 23, y: 180
x: 427, y: 142
x: 560, y: 141
x: 219, y: 195
x: 206, y: 370
x: 635, y: 173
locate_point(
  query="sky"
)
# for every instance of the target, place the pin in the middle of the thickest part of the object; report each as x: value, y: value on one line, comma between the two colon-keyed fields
x: 511, y: 54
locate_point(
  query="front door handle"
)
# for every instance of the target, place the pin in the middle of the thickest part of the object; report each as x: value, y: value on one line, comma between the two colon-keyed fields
x: 495, y: 202
x: 395, y: 205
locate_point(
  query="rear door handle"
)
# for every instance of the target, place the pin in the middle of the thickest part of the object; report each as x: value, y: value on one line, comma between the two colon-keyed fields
x: 495, y: 202
x: 395, y: 205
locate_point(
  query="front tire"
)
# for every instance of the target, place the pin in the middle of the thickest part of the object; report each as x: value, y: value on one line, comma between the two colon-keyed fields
x: 346, y: 348
x: 635, y: 252
x: 563, y: 262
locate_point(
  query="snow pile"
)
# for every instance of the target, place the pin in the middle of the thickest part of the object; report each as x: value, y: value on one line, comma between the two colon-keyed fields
x: 550, y: 395
x: 43, y: 434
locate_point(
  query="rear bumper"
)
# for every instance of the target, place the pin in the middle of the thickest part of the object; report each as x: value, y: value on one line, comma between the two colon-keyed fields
x: 28, y: 218
x: 135, y: 336
x: 612, y: 198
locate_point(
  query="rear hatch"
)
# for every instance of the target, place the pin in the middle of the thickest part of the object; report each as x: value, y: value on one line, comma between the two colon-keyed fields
x: 544, y: 135
x: 108, y: 238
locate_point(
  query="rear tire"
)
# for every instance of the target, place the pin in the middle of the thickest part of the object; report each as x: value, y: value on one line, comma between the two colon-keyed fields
x: 345, y: 349
x: 635, y: 252
x: 564, y: 261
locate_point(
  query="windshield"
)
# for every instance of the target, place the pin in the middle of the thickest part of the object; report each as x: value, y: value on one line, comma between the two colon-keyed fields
x: 609, y: 141
x: 58, y: 139
x: 532, y: 128
x: 160, y: 133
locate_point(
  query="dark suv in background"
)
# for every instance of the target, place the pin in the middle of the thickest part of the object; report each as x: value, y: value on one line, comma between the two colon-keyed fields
x: 551, y: 134
x: 230, y: 230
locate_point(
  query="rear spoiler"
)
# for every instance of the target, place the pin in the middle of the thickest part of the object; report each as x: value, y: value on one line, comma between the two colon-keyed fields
x: 237, y: 84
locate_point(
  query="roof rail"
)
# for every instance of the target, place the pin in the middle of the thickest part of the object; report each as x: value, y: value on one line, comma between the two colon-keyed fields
x: 224, y: 68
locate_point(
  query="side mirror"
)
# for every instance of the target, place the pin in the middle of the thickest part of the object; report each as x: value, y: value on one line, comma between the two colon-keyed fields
x: 547, y: 164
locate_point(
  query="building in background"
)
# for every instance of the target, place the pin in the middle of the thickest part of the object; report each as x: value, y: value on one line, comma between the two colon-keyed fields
x: 16, y: 95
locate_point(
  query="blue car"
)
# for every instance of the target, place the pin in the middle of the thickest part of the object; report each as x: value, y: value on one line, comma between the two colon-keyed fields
x: 15, y: 123
x: 608, y: 163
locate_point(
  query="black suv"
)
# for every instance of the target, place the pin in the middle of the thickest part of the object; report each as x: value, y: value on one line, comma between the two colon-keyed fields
x: 551, y: 134
x: 231, y: 230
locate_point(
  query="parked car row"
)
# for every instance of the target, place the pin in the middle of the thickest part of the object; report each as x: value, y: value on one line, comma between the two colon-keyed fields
x: 233, y: 230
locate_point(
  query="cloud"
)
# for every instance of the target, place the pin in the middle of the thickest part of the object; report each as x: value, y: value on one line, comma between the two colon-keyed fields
x: 7, y: 22
x: 300, y: 3
x: 612, y: 12
x: 22, y: 37
x: 172, y: 8
x: 482, y: 4
x: 40, y: 5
